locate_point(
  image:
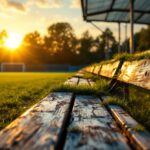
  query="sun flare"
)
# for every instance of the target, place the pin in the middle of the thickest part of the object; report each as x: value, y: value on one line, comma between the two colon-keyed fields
x: 13, y: 41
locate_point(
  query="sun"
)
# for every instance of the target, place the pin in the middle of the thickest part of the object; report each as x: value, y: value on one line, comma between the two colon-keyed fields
x: 13, y: 41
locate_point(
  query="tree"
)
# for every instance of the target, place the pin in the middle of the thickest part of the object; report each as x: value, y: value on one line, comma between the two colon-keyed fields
x: 86, y: 45
x: 61, y: 42
x: 141, y: 40
x: 144, y: 39
x: 33, y: 39
x: 107, y: 44
x: 3, y: 37
x: 33, y: 51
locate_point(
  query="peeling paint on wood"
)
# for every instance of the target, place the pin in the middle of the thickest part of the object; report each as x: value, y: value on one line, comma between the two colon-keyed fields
x: 140, y: 138
x: 92, y: 127
x: 108, y: 70
x: 38, y: 128
x: 136, y: 73
x: 123, y: 117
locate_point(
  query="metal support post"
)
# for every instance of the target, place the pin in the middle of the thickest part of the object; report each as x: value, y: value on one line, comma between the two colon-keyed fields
x: 119, y: 37
x: 132, y: 26
x: 126, y: 37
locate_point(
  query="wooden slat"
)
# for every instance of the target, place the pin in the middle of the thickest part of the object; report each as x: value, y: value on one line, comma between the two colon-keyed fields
x: 83, y: 81
x: 92, y: 68
x: 92, y: 127
x: 79, y: 74
x: 38, y: 128
x: 136, y: 73
x: 72, y: 81
x: 97, y: 69
x: 87, y: 69
x: 108, y: 70
x: 140, y: 139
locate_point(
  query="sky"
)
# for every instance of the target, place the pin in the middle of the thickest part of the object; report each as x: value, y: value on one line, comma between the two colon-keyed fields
x: 24, y: 16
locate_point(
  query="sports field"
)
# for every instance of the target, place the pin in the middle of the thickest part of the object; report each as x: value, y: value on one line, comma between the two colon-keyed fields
x: 19, y: 91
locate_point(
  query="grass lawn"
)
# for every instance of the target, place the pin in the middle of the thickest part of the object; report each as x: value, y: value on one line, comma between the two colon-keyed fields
x: 19, y: 91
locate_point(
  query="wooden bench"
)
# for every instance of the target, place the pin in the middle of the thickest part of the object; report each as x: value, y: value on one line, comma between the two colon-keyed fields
x: 65, y: 121
x: 136, y: 73
x: 39, y: 127
x: 125, y: 73
x: 73, y: 122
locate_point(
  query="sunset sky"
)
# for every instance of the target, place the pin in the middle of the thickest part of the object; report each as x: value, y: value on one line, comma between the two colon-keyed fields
x: 23, y: 16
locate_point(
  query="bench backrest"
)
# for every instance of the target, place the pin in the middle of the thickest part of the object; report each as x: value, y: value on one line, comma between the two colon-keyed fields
x: 135, y: 72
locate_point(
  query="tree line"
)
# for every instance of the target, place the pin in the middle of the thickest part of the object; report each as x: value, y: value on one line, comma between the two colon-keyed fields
x: 60, y: 45
x: 141, y: 41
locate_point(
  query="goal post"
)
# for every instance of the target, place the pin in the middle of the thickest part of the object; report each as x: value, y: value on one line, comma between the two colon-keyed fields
x: 13, y: 67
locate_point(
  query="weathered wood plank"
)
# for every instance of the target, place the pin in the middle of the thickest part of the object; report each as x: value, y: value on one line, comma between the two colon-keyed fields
x: 136, y: 73
x: 97, y: 69
x: 38, y: 128
x: 83, y: 81
x: 80, y: 74
x: 92, y: 127
x: 72, y: 81
x: 123, y: 117
x: 140, y: 139
x: 92, y: 68
x: 108, y: 70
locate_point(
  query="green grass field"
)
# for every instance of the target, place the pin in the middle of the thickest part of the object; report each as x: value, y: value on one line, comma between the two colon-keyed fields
x: 19, y: 91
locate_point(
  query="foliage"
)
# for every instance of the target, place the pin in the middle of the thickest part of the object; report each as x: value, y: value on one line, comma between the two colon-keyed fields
x: 108, y: 43
x: 3, y: 36
x: 144, y: 40
x: 61, y: 43
x: 141, y: 41
x: 61, y: 46
x: 19, y: 91
x: 132, y: 57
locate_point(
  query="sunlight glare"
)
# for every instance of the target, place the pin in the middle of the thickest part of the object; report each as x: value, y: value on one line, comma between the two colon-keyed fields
x: 13, y: 41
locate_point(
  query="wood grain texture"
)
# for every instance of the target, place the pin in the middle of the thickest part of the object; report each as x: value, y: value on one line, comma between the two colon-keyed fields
x: 92, y: 127
x: 72, y: 81
x: 140, y: 139
x: 38, y: 128
x: 83, y: 81
x: 97, y: 69
x: 108, y: 70
x: 136, y: 73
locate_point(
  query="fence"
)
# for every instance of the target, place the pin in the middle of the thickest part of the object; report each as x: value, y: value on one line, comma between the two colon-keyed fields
x: 40, y: 68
